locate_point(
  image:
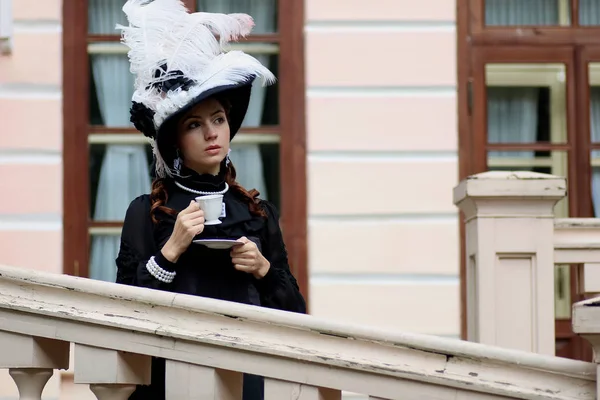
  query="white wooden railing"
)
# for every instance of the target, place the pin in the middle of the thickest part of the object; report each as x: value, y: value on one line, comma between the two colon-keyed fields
x: 208, y: 344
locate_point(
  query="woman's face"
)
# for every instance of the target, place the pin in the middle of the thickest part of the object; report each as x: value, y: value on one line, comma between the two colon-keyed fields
x: 203, y: 134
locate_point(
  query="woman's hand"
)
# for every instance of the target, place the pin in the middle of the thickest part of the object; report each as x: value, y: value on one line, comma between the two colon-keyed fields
x: 248, y: 258
x: 189, y: 223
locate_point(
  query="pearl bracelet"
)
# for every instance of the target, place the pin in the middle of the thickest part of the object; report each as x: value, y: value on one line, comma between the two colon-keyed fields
x: 159, y: 273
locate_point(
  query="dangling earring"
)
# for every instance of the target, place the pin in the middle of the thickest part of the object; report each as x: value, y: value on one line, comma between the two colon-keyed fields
x: 177, y: 163
x: 227, y: 159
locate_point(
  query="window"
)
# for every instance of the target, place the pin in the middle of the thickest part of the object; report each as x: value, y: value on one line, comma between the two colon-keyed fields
x: 529, y: 99
x: 107, y: 162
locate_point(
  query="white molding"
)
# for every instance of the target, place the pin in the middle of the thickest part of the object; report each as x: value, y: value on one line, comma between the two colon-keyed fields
x: 328, y: 279
x: 379, y: 26
x: 23, y: 91
x: 30, y: 157
x: 37, y: 26
x: 30, y: 223
x: 279, y: 345
x: 381, y: 91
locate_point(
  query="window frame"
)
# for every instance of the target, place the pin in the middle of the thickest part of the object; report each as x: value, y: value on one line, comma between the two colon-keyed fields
x: 482, y: 34
x: 478, y: 45
x: 77, y: 128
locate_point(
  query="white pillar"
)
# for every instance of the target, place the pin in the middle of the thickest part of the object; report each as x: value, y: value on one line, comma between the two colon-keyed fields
x: 510, y: 258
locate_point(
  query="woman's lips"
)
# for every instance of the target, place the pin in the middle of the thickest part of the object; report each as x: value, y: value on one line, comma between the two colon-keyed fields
x: 213, y: 150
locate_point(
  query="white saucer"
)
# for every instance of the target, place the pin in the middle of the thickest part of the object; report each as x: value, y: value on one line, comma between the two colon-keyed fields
x: 218, y: 243
x: 215, y: 222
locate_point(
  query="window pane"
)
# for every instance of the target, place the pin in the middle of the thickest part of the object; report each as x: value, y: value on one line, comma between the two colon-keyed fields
x: 104, y: 15
x: 594, y: 77
x: 264, y: 12
x: 526, y: 103
x: 594, y: 87
x: 589, y: 12
x: 595, y: 160
x: 527, y: 12
x: 104, y: 249
x: 257, y: 167
x: 118, y: 174
x: 111, y: 87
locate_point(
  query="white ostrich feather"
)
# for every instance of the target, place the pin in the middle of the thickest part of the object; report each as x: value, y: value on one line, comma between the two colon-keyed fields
x: 162, y: 31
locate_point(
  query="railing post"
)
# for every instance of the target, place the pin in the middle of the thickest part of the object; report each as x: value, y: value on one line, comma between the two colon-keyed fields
x: 510, y: 258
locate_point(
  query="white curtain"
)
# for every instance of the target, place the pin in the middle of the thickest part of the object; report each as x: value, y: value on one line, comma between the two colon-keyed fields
x: 124, y: 173
x: 512, y: 118
x: 521, y: 12
x: 595, y: 132
x: 589, y: 12
x: 247, y: 157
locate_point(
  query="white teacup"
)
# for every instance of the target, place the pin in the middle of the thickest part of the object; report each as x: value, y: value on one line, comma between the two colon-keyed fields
x: 212, y: 206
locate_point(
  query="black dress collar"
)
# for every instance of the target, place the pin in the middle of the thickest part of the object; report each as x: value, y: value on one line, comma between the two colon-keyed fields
x: 202, y: 182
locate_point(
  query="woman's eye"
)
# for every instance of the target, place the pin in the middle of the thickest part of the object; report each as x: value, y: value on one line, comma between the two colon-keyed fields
x: 193, y: 125
x: 220, y: 120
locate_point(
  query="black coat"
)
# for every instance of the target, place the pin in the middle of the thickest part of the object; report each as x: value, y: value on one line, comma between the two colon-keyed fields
x: 208, y: 272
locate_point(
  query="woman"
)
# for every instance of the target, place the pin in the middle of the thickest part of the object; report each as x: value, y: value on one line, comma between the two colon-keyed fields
x: 190, y: 100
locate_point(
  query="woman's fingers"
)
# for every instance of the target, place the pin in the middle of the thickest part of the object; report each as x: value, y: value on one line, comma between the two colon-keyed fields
x: 243, y: 268
x: 196, y: 221
x: 192, y: 207
x: 192, y: 215
x: 243, y: 256
x: 243, y: 261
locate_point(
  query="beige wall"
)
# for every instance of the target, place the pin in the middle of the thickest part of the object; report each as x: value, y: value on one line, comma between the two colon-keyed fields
x: 30, y: 147
x: 31, y: 138
x: 382, y: 140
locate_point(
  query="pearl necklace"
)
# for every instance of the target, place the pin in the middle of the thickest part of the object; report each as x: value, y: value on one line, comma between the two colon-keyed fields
x: 200, y: 192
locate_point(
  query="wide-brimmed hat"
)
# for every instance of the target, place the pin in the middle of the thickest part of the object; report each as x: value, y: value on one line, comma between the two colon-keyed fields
x: 179, y: 59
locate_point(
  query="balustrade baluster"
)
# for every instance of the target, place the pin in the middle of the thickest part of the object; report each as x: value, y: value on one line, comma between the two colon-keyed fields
x: 30, y: 381
x: 112, y: 392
